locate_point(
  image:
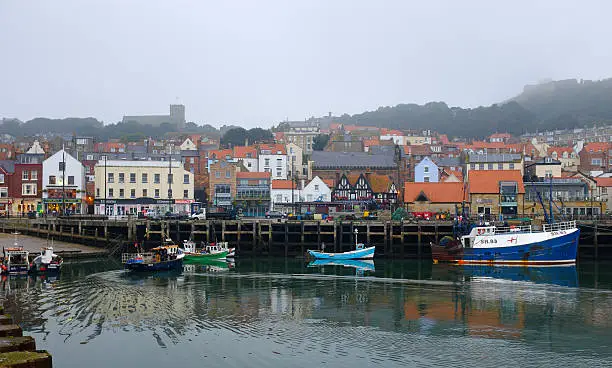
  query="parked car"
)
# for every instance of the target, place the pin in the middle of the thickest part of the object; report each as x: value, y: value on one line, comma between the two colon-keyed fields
x: 199, y: 215
x: 275, y: 214
x: 173, y: 216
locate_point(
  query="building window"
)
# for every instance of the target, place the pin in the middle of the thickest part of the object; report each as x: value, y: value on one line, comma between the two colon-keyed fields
x: 98, y: 192
x: 24, y: 175
x: 316, y: 187
x: 145, y: 178
x: 480, y: 166
x: 28, y: 189
x: 426, y: 169
x: 511, y: 166
x: 228, y: 174
x: 279, y: 198
x: 596, y: 162
x: 473, y: 166
x: 70, y: 180
x: 217, y: 174
x: 144, y: 192
x: 52, y: 179
x: 121, y: 193
x: 4, y: 192
x: 186, y: 179
x: 157, y: 178
x: 132, y: 193
x: 2, y: 179
x: 34, y: 175
x: 279, y: 172
x: 490, y: 167
x: 62, y: 166
x: 426, y: 179
x: 267, y: 162
x: 170, y: 178
x: 500, y: 166
x: 185, y: 193
x: 132, y: 177
x: 279, y: 162
x: 121, y: 178
x: 156, y: 193
x: 110, y: 192
x: 111, y: 178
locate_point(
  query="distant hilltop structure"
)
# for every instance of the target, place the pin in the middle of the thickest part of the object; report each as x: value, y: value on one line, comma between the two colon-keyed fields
x: 176, y: 117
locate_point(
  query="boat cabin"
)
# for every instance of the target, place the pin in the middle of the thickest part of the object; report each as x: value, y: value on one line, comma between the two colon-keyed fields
x: 360, y: 246
x: 16, y: 260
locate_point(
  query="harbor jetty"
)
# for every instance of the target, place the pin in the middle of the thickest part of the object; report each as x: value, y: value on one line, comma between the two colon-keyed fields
x: 262, y: 237
x: 18, y: 351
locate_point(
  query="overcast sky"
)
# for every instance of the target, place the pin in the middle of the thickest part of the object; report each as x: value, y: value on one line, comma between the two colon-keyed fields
x: 259, y: 62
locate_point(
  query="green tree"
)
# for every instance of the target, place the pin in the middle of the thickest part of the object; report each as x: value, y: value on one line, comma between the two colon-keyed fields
x: 320, y: 142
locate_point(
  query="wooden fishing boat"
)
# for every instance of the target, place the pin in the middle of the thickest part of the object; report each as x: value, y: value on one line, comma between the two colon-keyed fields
x: 210, y: 251
x: 166, y: 257
x: 15, y: 261
x: 47, y: 262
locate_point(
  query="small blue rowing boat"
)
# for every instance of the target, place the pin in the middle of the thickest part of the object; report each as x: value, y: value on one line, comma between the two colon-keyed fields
x: 360, y: 265
x: 360, y: 252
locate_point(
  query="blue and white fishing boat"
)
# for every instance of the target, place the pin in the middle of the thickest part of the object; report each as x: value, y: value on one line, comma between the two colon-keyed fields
x: 360, y: 252
x: 163, y: 258
x: 553, y: 244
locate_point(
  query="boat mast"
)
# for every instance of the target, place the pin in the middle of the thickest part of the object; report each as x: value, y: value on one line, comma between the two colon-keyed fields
x: 550, y: 201
x: 356, y: 232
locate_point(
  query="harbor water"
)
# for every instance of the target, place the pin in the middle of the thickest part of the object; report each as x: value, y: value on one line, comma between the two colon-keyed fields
x: 287, y: 313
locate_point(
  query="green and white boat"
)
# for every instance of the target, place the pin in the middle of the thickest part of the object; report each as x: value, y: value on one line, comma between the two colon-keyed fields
x: 211, y: 251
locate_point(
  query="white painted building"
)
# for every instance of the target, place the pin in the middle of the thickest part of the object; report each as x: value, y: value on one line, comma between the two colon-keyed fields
x: 63, y: 184
x: 272, y: 158
x: 188, y: 145
x: 282, y: 191
x: 316, y: 191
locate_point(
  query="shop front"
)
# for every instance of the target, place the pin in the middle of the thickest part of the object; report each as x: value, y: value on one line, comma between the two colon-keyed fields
x: 127, y: 207
x: 53, y: 206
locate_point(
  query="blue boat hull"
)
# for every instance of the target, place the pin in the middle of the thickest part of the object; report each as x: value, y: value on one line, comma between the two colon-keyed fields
x: 365, y: 265
x: 558, y: 250
x: 556, y: 275
x: 367, y: 253
x: 175, y: 264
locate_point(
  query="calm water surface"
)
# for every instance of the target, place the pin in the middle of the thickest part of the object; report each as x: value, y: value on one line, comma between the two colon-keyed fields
x: 282, y: 313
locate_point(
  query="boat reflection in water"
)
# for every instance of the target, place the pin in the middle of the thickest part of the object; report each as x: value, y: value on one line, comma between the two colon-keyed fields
x: 208, y: 265
x: 360, y: 265
x: 553, y: 275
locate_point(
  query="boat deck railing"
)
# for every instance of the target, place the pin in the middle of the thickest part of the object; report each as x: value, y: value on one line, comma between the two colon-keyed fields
x: 567, y: 225
x: 147, y: 257
x: 514, y: 229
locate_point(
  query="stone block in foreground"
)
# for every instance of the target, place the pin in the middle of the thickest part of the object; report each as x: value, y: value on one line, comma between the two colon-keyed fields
x: 26, y: 359
x: 6, y: 320
x: 22, y: 343
x: 10, y: 330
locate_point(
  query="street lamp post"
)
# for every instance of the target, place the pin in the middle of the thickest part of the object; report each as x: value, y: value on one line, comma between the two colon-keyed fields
x: 105, y: 181
x: 63, y: 182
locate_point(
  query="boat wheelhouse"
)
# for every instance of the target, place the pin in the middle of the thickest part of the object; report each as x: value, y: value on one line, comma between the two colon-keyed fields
x: 165, y: 257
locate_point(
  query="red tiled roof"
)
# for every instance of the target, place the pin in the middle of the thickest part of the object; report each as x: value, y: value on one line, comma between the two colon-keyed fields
x: 458, y: 174
x: 604, y: 182
x: 253, y: 175
x: 596, y: 147
x: 559, y: 150
x: 371, y: 142
x: 242, y: 151
x: 443, y: 138
x: 329, y: 182
x: 220, y: 153
x: 274, y: 148
x: 435, y: 192
x: 487, y: 181
x: 283, y: 184
x: 385, y: 131
x: 379, y: 183
x: 500, y: 135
